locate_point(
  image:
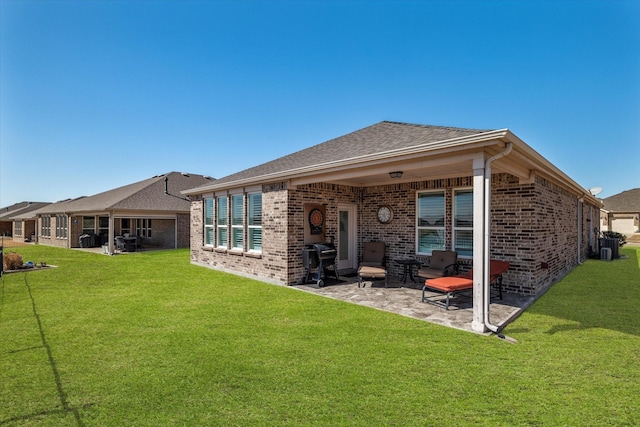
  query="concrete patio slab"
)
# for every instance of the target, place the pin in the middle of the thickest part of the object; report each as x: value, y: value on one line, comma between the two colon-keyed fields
x: 406, y: 300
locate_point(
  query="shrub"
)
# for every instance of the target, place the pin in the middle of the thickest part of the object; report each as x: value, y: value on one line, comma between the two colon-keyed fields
x: 12, y: 261
x: 615, y: 235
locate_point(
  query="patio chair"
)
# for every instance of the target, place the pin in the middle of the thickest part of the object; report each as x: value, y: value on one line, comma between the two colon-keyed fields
x: 442, y: 264
x: 373, y: 264
x: 452, y: 285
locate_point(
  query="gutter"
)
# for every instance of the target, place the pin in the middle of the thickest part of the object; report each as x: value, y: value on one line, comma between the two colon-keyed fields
x: 486, y: 256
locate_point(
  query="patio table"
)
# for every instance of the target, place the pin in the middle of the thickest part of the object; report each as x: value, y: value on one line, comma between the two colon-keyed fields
x: 407, y: 265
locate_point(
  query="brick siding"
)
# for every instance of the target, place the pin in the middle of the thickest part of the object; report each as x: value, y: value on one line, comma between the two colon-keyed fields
x: 534, y: 227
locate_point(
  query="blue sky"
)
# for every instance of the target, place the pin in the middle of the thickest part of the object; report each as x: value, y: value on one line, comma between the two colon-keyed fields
x: 99, y: 94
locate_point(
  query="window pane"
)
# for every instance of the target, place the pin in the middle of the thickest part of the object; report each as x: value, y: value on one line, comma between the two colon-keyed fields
x: 463, y: 243
x: 430, y: 240
x: 208, y: 211
x: 222, y: 210
x: 222, y: 237
x: 255, y: 239
x: 431, y: 209
x: 236, y: 238
x: 254, y: 205
x: 236, y: 210
x: 208, y: 236
x: 463, y: 208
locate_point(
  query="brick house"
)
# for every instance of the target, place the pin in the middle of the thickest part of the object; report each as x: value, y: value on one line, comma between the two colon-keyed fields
x: 16, y: 221
x: 441, y: 184
x: 621, y: 213
x: 153, y: 209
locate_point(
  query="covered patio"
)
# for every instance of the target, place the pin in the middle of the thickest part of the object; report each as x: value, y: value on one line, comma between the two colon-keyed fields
x: 405, y: 299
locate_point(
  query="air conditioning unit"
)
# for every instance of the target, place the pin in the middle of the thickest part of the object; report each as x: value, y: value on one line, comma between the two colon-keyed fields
x: 605, y: 254
x: 613, y: 244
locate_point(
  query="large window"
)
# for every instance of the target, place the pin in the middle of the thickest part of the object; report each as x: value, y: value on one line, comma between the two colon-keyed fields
x: 237, y: 221
x: 208, y: 221
x: 430, y: 227
x: 221, y: 222
x: 254, y: 221
x: 45, y: 229
x: 143, y: 227
x: 88, y: 224
x: 61, y: 226
x: 463, y: 222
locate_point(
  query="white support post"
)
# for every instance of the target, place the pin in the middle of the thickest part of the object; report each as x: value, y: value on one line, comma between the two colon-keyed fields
x: 112, y: 234
x: 478, y: 245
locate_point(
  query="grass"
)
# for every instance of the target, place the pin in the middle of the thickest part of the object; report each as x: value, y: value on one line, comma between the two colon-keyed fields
x: 148, y: 339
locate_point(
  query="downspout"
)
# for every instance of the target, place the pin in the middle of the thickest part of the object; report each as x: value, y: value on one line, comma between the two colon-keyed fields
x: 579, y: 227
x: 486, y: 256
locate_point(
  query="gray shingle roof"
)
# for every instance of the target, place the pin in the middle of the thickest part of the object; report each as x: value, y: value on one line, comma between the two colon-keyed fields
x: 627, y: 201
x: 147, y: 195
x: 378, y: 138
x: 22, y: 208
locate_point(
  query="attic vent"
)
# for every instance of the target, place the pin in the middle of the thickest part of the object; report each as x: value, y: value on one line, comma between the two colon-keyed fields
x: 185, y: 174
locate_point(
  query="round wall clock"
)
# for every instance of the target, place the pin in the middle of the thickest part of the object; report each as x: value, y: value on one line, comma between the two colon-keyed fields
x: 385, y: 214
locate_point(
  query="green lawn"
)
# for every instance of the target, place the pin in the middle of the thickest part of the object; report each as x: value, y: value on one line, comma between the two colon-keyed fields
x: 148, y: 339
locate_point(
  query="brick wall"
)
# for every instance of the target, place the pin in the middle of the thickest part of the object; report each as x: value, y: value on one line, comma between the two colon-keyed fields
x: 534, y: 227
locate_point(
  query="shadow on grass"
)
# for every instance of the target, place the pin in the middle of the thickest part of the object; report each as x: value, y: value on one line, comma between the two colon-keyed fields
x: 597, y: 294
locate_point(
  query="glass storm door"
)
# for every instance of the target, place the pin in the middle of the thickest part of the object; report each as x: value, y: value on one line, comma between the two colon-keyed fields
x: 347, y: 237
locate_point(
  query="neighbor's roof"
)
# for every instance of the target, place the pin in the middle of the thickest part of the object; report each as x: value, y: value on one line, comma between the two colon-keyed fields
x: 379, y: 138
x: 627, y: 201
x: 146, y: 195
x: 22, y: 208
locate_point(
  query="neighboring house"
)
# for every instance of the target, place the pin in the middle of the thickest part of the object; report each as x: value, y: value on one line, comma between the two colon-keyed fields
x: 19, y: 229
x: 441, y: 185
x: 621, y: 213
x: 153, y: 209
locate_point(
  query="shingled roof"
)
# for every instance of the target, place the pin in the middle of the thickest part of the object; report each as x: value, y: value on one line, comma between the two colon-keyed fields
x: 147, y: 195
x: 627, y: 201
x: 379, y: 138
x: 21, y: 208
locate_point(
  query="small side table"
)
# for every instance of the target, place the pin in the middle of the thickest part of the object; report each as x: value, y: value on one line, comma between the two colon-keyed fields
x: 407, y: 265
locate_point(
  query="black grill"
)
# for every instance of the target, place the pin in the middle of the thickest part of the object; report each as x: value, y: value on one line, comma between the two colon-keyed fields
x: 320, y: 257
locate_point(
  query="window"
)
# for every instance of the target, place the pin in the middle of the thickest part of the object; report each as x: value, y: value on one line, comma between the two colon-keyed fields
x: 88, y: 224
x: 103, y: 226
x: 254, y: 222
x: 125, y: 226
x: 45, y: 228
x: 143, y: 227
x: 463, y: 222
x: 237, y: 221
x: 18, y: 228
x: 208, y: 221
x: 61, y: 226
x: 430, y: 222
x: 221, y: 218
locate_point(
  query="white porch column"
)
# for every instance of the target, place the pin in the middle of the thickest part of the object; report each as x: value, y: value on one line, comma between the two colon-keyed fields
x: 112, y: 234
x: 478, y: 244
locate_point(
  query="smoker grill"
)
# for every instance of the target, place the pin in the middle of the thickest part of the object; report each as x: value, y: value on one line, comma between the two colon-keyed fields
x: 319, y: 257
